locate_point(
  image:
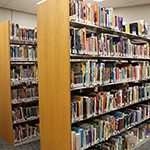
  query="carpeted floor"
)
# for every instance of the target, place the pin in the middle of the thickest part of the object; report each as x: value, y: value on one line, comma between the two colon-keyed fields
x: 36, y: 146
x: 145, y: 146
x: 31, y: 146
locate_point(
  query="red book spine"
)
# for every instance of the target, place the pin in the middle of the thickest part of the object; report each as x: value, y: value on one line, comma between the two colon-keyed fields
x: 115, y: 21
x: 116, y: 73
x: 97, y: 103
x: 134, y: 73
x: 119, y: 100
x: 120, y: 124
x: 138, y: 50
x: 104, y: 95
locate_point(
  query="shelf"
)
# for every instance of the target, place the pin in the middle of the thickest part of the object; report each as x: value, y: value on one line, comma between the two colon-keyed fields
x: 28, y: 82
x: 122, y: 132
x: 24, y: 62
x: 141, y: 143
x: 107, y: 57
x: 78, y: 61
x: 107, y: 30
x: 22, y: 42
x: 26, y: 120
x: 27, y: 141
x: 109, y: 111
x: 88, y: 87
x: 25, y: 101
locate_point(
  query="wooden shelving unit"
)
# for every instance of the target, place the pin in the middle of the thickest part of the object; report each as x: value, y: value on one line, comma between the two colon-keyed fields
x: 6, y: 125
x: 54, y: 72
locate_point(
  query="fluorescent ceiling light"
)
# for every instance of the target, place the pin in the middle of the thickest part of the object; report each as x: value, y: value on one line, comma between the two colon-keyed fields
x: 98, y: 0
x: 41, y: 2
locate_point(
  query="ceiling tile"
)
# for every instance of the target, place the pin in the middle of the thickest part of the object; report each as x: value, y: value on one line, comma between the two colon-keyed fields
x: 18, y: 4
x: 3, y: 2
x: 115, y: 3
x: 112, y: 3
x: 31, y: 9
x: 140, y: 2
x: 124, y: 5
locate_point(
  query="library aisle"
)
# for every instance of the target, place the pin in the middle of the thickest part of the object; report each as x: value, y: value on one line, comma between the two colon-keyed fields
x: 30, y: 146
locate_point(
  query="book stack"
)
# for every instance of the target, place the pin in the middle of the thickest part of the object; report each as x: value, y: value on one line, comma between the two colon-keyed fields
x: 139, y: 28
x: 23, y: 53
x: 18, y: 33
x: 127, y: 140
x: 24, y: 94
x: 24, y: 83
x: 104, y: 17
x: 105, y: 45
x: 94, y: 15
x: 24, y: 72
x: 20, y: 114
x: 26, y: 131
x: 102, y: 128
x: 91, y: 73
x: 96, y: 103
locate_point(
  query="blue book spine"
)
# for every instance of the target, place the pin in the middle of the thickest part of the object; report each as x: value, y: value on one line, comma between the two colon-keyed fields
x: 106, y: 18
x: 76, y: 31
x: 133, y: 117
x: 114, y: 74
x: 97, y: 65
x: 16, y: 52
x: 93, y: 16
x: 86, y: 74
x: 101, y: 131
x: 82, y: 136
x: 88, y: 106
x: 87, y: 138
x: 13, y: 28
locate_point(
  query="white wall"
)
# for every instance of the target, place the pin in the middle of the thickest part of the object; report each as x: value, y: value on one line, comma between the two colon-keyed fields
x: 134, y: 13
x: 25, y: 20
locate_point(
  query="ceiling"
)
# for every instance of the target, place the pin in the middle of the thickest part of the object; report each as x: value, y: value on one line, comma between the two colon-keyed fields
x: 120, y: 3
x: 31, y: 7
x: 21, y: 5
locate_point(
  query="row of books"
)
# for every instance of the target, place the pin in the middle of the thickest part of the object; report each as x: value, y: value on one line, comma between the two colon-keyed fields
x: 23, y: 53
x: 102, y: 128
x: 91, y: 73
x: 139, y: 28
x: 94, y: 15
x: 24, y: 94
x: 95, y: 103
x: 23, y: 72
x: 22, y: 33
x: 126, y: 140
x: 25, y: 132
x: 105, y: 45
x: 20, y: 114
x: 105, y: 17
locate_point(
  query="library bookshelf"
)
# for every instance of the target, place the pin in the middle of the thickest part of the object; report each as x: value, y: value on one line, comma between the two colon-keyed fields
x: 6, y: 126
x: 54, y: 72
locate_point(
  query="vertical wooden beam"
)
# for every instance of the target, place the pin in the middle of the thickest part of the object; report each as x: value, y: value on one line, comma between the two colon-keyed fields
x: 54, y: 74
x: 6, y: 124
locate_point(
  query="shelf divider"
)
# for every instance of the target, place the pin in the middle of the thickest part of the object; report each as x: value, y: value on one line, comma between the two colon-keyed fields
x: 54, y: 74
x: 6, y: 124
